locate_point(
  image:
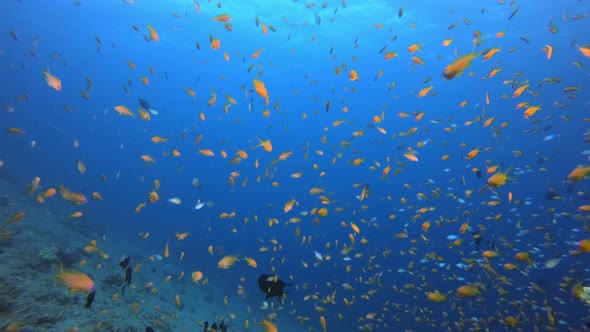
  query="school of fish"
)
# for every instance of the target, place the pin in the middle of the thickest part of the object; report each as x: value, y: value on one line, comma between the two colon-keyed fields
x: 408, y: 218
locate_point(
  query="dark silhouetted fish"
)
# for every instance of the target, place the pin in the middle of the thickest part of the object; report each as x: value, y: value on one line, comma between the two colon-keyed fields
x: 272, y: 286
x: 478, y: 174
x: 222, y: 327
x: 145, y: 105
x: 90, y: 299
x: 477, y: 239
x: 149, y: 329
x: 128, y: 275
x: 124, y: 262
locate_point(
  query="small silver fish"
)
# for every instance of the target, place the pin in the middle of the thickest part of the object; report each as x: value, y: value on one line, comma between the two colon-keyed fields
x: 552, y: 263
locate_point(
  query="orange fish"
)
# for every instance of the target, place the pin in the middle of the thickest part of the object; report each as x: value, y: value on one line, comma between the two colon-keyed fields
x: 76, y: 214
x: 49, y: 192
x: 525, y: 257
x: 585, y: 50
x: 17, y: 131
x: 153, y: 33
x: 467, y: 291
x: 493, y: 72
x: 425, y: 91
x: 265, y: 144
x: 578, y: 174
x: 464, y: 228
x: 549, y: 50
x: 414, y: 48
x: 177, y: 301
x: 472, y: 154
x: 16, y: 217
x: 499, y: 179
x: 417, y: 60
x: 215, y: 43
x: 289, y: 205
x: 260, y: 88
x: 166, y: 251
x: 222, y: 18
x: 227, y: 262
x: 251, y: 262
x: 390, y: 55
x: 256, y: 54
x: 269, y: 326
x: 197, y: 275
x: 122, y: 110
x: 147, y: 159
x: 353, y: 76
x: 490, y: 53
x: 436, y: 296
x: 489, y: 121
x: 140, y: 206
x: 206, y: 152
x: 144, y: 115
x: 411, y: 157
x: 73, y: 197
x: 158, y: 139
x: 458, y: 66
x: 520, y: 90
x: 52, y: 81
x: 447, y: 42
x: 190, y: 92
x: 76, y: 281
x: 531, y: 111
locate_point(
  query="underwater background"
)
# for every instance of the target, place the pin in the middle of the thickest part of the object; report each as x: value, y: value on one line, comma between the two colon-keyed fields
x: 405, y: 165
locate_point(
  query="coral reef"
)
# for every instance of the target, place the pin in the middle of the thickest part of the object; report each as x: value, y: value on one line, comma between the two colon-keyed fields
x: 48, y: 256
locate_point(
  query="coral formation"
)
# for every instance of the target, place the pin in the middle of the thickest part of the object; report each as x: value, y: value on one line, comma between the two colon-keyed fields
x: 48, y: 256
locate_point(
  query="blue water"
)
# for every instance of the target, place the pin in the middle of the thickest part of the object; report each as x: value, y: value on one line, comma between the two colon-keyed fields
x: 292, y: 60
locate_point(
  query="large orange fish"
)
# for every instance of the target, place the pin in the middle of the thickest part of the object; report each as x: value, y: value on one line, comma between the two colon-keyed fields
x: 76, y: 281
x: 77, y: 198
x: 458, y: 66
